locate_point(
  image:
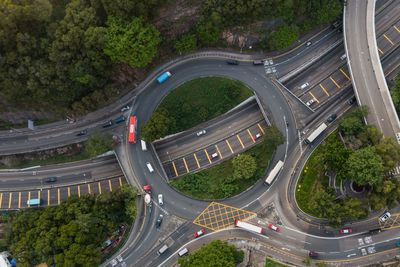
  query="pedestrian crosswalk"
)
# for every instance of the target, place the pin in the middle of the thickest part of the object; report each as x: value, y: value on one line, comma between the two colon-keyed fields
x: 268, y: 66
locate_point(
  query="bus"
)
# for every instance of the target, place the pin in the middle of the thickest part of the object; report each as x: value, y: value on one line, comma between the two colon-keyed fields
x: 33, y: 202
x: 315, y: 134
x: 132, y: 129
x: 274, y: 172
x: 248, y: 226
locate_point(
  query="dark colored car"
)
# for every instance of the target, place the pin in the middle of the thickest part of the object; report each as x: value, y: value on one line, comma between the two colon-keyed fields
x: 119, y: 119
x: 107, y: 124
x: 351, y: 101
x: 313, y: 254
x: 331, y: 118
x: 258, y: 62
x: 83, y: 132
x: 159, y: 220
x: 232, y: 62
x: 51, y: 180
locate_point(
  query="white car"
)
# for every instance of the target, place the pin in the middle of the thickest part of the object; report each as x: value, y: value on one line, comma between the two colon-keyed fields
x: 212, y: 156
x: 384, y: 217
x: 125, y: 108
x: 160, y: 199
x: 310, y: 102
x: 201, y: 132
x: 114, y: 262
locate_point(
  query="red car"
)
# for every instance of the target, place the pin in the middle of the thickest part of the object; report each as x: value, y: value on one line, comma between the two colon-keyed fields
x: 199, y: 233
x: 273, y: 227
x: 346, y: 231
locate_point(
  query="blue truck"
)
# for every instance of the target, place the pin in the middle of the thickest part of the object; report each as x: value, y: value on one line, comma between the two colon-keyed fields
x: 164, y: 77
x: 33, y: 202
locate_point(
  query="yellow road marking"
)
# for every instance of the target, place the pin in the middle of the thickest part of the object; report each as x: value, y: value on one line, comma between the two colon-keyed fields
x: 9, y: 201
x: 396, y: 28
x: 334, y: 82
x: 99, y: 188
x: 79, y: 191
x: 314, y: 97
x: 259, y: 126
x: 109, y: 184
x: 248, y: 130
x: 19, y: 200
x: 69, y: 193
x: 39, y: 197
x: 380, y: 50
x: 29, y: 197
x: 48, y: 197
x: 240, y: 140
x: 207, y: 156
x: 1, y: 198
x: 187, y: 169
x: 229, y: 145
x: 173, y: 164
x: 344, y: 73
x: 218, y: 151
x: 88, y: 186
x: 322, y: 89
x: 387, y: 38
x: 195, y: 157
x: 120, y: 182
x: 58, y: 190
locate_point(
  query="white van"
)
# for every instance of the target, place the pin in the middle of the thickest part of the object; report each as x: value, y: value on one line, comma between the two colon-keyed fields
x: 149, y: 167
x: 183, y: 252
x: 304, y: 86
x: 162, y: 250
x: 144, y: 147
x: 343, y: 57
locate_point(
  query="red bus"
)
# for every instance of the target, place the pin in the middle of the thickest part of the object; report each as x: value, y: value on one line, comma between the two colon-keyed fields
x: 132, y: 129
x: 248, y: 226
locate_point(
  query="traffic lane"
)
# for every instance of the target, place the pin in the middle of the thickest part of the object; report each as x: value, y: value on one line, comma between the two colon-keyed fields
x: 389, y: 39
x: 384, y: 18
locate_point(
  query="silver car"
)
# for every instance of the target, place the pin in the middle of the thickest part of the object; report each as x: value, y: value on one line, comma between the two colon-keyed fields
x: 384, y: 217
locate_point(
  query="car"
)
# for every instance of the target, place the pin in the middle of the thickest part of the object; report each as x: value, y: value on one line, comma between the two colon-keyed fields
x: 310, y: 102
x: 147, y: 188
x: 51, y: 180
x: 159, y: 220
x: 125, y: 108
x: 83, y: 132
x: 107, y: 124
x: 214, y: 155
x: 114, y: 262
x: 258, y: 62
x: 384, y: 217
x: 398, y: 243
x: 346, y: 231
x: 351, y: 101
x: 232, y: 62
x: 199, y: 233
x: 313, y: 254
x: 201, y: 132
x: 331, y: 118
x: 160, y: 199
x: 304, y: 85
x: 308, y: 43
x: 257, y: 136
x: 273, y: 227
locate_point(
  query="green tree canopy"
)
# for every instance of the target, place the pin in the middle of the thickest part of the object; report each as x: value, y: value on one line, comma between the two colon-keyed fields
x: 220, y: 254
x: 353, y: 123
x: 370, y: 136
x: 98, y: 143
x: 244, y: 166
x: 131, y: 42
x: 389, y: 150
x: 207, y: 33
x: 283, y: 37
x: 364, y: 166
x: 186, y: 44
x: 336, y: 154
x: 158, y: 126
x: 127, y: 9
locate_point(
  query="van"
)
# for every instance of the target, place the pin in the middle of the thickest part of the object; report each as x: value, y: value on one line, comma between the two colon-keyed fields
x: 144, y: 147
x: 119, y: 119
x: 304, y: 86
x: 162, y: 250
x: 343, y: 57
x: 258, y: 62
x: 183, y: 252
x: 149, y: 167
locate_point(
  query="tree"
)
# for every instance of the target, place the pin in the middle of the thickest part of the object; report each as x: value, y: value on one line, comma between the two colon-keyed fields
x: 322, y: 203
x: 365, y: 167
x: 220, y: 254
x: 389, y: 150
x: 353, y: 123
x: 370, y: 136
x: 307, y: 261
x: 283, y: 37
x: 98, y: 143
x: 126, y: 9
x: 158, y: 126
x: 186, y: 44
x: 336, y: 154
x: 207, y: 33
x: 244, y: 166
x: 131, y: 42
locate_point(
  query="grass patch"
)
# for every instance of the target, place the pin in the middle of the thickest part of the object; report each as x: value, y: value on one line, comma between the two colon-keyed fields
x: 202, y: 99
x: 271, y: 263
x: 218, y: 182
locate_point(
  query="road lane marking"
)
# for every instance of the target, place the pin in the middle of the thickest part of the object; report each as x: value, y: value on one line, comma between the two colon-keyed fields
x: 48, y: 197
x: 219, y: 152
x: 109, y: 184
x: 229, y: 145
x: 99, y: 188
x: 207, y: 156
x: 1, y: 199
x: 19, y: 200
x: 58, y: 190
x: 29, y: 198
x: 240, y: 140
x: 344, y: 73
x: 69, y: 193
x: 380, y: 50
x: 9, y: 201
x: 248, y: 130
x: 323, y: 89
x: 88, y: 186
x: 187, y: 169
x: 176, y: 172
x: 259, y: 126
x: 79, y: 191
x: 396, y: 28
x: 314, y: 97
x: 195, y: 157
x: 39, y: 197
x: 390, y: 41
x: 334, y: 82
x: 120, y: 182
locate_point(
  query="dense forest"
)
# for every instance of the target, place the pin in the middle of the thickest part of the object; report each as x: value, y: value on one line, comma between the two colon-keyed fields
x: 67, y: 55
